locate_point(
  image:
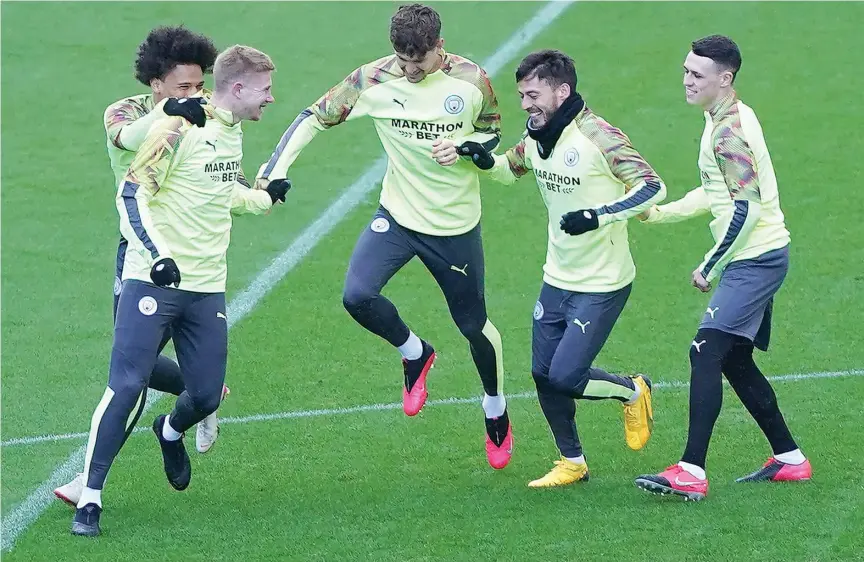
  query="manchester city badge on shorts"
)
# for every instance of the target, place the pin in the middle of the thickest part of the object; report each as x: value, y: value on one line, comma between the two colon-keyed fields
x: 380, y: 224
x: 538, y: 311
x: 147, y: 306
x: 118, y: 285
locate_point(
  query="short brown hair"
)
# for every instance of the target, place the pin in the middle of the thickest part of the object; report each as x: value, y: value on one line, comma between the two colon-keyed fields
x: 415, y: 30
x: 722, y: 50
x: 550, y: 65
x: 238, y: 60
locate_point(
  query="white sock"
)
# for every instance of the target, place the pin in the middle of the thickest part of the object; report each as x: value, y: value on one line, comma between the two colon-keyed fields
x: 413, y: 348
x: 696, y: 471
x: 578, y: 460
x: 636, y: 394
x: 168, y: 433
x: 89, y: 495
x: 792, y: 457
x: 494, y: 406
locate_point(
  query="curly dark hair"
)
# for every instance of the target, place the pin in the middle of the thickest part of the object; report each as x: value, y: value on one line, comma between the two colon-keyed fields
x: 169, y: 46
x: 415, y: 29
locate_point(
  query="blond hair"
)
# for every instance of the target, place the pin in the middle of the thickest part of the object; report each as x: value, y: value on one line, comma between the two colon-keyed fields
x: 234, y: 62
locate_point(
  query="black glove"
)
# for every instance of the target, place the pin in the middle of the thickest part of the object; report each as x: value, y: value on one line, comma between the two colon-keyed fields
x: 188, y: 108
x: 580, y: 222
x: 277, y: 189
x: 478, y: 153
x: 164, y: 272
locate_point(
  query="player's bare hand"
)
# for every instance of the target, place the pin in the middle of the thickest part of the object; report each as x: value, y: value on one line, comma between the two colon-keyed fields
x: 261, y: 183
x: 700, y: 283
x: 444, y: 152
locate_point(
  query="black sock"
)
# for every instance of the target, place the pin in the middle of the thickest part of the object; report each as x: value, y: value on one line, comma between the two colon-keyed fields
x: 755, y: 392
x: 707, y: 353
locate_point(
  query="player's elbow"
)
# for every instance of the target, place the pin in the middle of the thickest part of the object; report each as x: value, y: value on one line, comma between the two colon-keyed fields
x: 660, y: 196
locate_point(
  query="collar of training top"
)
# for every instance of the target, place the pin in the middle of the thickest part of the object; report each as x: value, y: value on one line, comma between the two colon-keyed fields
x: 222, y: 115
x: 547, y: 135
x: 723, y: 105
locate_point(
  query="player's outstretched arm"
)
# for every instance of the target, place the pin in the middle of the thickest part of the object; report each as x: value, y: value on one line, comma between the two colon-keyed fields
x: 694, y: 204
x: 127, y: 130
x: 506, y: 168
x: 245, y: 200
x: 737, y: 164
x: 643, y: 188
x: 146, y: 174
x: 487, y: 124
x: 300, y: 133
x: 341, y: 103
x: 486, y: 135
x: 124, y: 125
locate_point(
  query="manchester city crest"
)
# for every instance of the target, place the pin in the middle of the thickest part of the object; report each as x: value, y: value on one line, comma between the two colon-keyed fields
x: 538, y: 311
x: 571, y: 157
x: 454, y: 104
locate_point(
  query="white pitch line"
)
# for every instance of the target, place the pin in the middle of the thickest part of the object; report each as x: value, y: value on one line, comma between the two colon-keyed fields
x: 328, y: 412
x: 25, y: 513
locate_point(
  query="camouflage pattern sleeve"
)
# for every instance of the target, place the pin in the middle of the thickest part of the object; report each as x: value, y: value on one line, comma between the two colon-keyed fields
x: 150, y: 165
x: 336, y: 105
x: 146, y: 174
x: 487, y: 123
x: 738, y: 165
x: 122, y: 113
x: 624, y: 161
x: 642, y: 186
x: 735, y: 158
x: 512, y: 165
x: 519, y: 166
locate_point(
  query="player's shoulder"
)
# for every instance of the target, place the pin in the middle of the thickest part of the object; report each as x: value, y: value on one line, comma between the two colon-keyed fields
x: 137, y: 105
x: 463, y: 68
x: 603, y: 134
x: 728, y: 124
x: 375, y: 72
x: 747, y: 116
x: 171, y: 129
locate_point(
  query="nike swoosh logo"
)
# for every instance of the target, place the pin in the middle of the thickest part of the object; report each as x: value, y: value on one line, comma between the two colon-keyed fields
x: 220, y: 315
x: 680, y: 483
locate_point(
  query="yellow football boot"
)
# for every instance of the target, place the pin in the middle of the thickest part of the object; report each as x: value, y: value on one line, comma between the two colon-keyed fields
x: 565, y: 472
x: 639, y: 416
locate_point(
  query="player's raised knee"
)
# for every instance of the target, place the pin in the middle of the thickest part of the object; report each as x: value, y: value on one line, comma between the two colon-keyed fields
x: 356, y: 297
x: 570, y: 380
x: 207, y: 403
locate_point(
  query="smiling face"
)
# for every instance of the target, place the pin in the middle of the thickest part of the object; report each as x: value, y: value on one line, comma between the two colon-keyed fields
x: 540, y: 99
x: 705, y: 81
x: 182, y: 81
x: 253, y: 94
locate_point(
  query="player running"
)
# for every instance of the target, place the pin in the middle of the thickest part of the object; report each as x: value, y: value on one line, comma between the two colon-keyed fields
x: 172, y: 61
x: 175, y: 206
x: 749, y: 261
x: 592, y: 180
x: 417, y: 97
